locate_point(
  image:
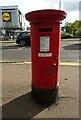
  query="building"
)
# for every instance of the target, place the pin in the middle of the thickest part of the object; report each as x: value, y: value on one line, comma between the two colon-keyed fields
x: 11, y: 19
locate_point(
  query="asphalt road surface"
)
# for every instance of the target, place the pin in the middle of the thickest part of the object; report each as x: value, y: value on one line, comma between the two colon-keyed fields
x: 70, y: 51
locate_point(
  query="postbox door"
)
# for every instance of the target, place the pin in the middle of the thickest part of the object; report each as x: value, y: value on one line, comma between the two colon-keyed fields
x: 48, y: 56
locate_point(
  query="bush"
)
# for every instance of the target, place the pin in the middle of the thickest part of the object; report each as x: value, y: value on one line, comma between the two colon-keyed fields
x: 78, y: 32
x: 66, y: 35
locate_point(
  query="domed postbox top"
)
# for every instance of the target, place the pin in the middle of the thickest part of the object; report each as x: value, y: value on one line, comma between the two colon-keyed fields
x: 46, y: 15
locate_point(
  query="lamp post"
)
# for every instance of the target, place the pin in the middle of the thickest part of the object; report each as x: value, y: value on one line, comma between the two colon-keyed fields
x: 59, y: 4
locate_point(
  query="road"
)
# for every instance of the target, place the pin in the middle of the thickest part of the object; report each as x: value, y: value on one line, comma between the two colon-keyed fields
x: 70, y: 51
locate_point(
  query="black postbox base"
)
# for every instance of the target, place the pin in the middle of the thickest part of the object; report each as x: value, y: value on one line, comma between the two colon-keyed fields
x: 44, y: 96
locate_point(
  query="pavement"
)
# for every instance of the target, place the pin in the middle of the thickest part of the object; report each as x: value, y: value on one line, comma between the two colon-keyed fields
x: 16, y: 91
x: 7, y: 41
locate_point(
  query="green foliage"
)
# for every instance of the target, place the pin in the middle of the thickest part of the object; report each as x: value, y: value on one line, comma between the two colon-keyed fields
x: 75, y: 26
x: 68, y: 27
x: 78, y: 32
x: 66, y: 35
x: 72, y: 28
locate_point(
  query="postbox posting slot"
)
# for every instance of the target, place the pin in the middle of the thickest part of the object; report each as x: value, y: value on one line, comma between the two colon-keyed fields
x: 45, y: 29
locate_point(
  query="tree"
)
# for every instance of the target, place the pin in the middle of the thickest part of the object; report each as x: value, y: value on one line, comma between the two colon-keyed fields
x: 78, y: 32
x: 75, y: 26
x: 68, y: 27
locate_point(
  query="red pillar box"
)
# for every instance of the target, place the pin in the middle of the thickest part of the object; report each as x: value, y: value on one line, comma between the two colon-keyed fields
x: 45, y: 45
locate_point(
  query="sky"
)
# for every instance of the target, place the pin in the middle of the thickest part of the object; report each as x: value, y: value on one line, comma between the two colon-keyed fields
x: 72, y: 7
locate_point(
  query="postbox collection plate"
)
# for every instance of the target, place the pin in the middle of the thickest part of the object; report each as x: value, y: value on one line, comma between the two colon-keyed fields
x: 44, y: 44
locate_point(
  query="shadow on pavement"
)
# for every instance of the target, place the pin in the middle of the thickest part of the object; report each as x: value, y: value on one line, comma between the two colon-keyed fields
x: 22, y: 107
x: 73, y: 47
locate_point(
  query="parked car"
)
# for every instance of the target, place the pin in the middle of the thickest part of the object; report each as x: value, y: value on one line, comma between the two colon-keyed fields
x: 23, y: 39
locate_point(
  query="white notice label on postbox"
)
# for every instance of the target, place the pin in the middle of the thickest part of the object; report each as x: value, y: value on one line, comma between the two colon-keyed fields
x: 44, y: 44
